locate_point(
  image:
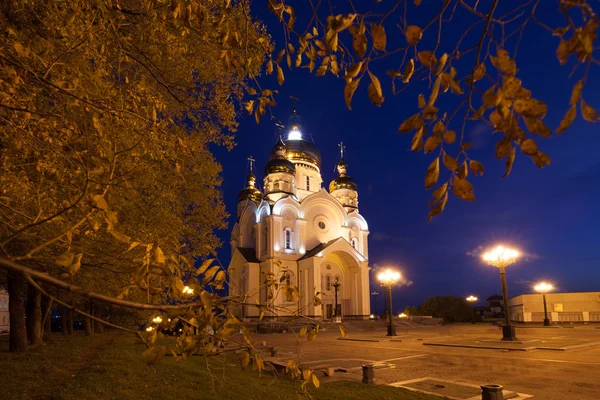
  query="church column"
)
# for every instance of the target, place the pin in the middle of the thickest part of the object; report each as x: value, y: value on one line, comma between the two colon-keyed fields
x: 270, y: 241
x: 301, y: 236
x: 364, y: 249
x: 365, y: 308
x: 277, y: 233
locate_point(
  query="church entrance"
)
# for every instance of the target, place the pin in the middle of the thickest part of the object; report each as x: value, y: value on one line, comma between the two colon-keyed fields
x: 340, y: 275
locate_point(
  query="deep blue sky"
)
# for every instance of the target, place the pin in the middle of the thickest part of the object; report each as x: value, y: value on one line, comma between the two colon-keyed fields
x: 551, y: 214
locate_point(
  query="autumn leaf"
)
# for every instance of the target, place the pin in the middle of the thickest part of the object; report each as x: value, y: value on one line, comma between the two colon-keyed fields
x: 449, y: 137
x: 432, y: 174
x: 379, y: 38
x: 510, y: 161
x: 503, y: 62
x: 427, y: 58
x: 450, y: 162
x: 408, y: 71
x: 463, y: 171
x: 421, y: 101
x: 417, y: 140
x: 343, y: 331
x: 413, y: 34
x: 438, y: 208
x: 120, y: 236
x: 359, y: 44
x: 530, y: 108
x: 479, y: 72
x: 315, y: 381
x: 567, y: 120
x: 353, y: 71
x: 463, y: 189
x: 269, y: 67
x: 431, y: 144
x: 576, y: 93
x: 374, y: 90
x: 100, y: 202
x: 476, y: 167
x: 529, y: 147
x: 280, y: 77
x: 159, y: 256
x: 349, y: 90
x: 541, y: 159
x: 588, y: 112
x: 249, y: 105
x: 204, y: 266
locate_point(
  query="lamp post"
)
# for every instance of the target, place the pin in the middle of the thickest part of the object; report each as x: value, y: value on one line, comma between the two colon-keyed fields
x: 501, y: 257
x: 544, y: 288
x: 472, y: 300
x: 387, y: 279
x: 336, y: 285
x: 374, y: 294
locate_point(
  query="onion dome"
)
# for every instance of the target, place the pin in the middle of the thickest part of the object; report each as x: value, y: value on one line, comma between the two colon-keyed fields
x: 343, y: 181
x: 250, y: 192
x: 297, y: 147
x: 278, y: 161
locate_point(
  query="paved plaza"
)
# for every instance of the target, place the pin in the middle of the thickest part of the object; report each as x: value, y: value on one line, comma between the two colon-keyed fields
x: 558, y: 363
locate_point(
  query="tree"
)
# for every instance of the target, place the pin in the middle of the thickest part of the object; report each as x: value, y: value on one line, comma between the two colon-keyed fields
x: 468, y: 80
x: 451, y: 309
x: 108, y: 111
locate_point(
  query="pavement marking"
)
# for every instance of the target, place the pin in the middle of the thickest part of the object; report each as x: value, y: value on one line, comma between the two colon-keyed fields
x: 404, y: 358
x: 480, y: 355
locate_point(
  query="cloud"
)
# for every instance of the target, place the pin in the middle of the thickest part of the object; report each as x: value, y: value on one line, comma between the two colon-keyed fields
x: 384, y: 237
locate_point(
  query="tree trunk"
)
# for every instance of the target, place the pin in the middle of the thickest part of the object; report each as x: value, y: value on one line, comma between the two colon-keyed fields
x: 47, y: 314
x: 98, y: 326
x: 16, y: 309
x: 70, y: 320
x: 87, y: 322
x: 34, y: 315
x: 63, y: 320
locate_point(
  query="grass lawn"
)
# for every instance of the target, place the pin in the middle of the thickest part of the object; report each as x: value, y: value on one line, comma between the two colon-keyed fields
x: 110, y: 366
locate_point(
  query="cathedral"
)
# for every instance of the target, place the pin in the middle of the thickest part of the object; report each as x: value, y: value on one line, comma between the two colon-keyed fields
x: 294, y: 228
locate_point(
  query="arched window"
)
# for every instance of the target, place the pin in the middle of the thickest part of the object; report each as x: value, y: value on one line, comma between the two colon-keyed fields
x: 288, y: 238
x: 354, y: 243
x: 328, y: 282
x: 307, y: 182
x: 276, y: 186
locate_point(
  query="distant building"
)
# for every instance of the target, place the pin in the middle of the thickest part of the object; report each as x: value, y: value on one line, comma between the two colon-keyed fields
x: 561, y: 307
x: 4, y: 319
x: 495, y: 304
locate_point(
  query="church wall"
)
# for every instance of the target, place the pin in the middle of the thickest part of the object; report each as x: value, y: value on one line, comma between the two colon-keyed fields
x: 305, y: 188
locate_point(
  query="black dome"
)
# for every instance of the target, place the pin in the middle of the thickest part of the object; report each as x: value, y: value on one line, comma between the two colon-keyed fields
x: 302, y: 150
x: 342, y: 182
x: 280, y: 165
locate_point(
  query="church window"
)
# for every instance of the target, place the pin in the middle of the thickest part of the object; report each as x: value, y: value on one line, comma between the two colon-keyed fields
x: 288, y: 238
x: 321, y: 224
x: 307, y: 182
x: 354, y: 243
x: 328, y: 282
x: 276, y: 186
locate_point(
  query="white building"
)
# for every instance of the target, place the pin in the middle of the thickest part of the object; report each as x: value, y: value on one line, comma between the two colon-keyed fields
x: 561, y: 307
x: 297, y: 229
x: 4, y: 316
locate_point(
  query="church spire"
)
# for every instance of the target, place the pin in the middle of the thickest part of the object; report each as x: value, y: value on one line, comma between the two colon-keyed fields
x: 342, y: 167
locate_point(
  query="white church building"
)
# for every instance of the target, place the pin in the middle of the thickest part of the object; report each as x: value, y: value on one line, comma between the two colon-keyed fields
x: 295, y: 228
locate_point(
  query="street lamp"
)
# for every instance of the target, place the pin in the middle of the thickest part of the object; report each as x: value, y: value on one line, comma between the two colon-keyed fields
x: 501, y: 257
x: 387, y: 279
x: 336, y: 285
x: 472, y: 300
x: 374, y: 294
x: 544, y: 288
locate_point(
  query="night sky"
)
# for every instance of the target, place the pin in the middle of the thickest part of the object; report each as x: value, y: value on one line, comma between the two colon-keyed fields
x: 552, y: 214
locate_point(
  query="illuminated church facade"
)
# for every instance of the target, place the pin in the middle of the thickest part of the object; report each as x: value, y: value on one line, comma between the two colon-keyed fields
x: 315, y: 238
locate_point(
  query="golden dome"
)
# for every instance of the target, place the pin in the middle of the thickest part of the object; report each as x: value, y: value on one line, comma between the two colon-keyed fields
x: 250, y: 192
